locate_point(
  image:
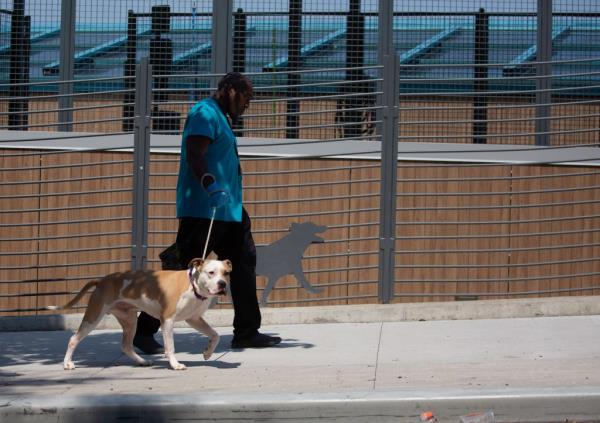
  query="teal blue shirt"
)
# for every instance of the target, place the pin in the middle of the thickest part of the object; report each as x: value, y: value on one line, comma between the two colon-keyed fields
x: 206, y: 118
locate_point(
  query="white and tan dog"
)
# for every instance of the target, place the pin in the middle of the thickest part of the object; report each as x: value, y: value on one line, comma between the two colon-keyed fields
x: 168, y: 295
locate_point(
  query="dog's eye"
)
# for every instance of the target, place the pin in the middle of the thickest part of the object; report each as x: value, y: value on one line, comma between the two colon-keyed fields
x: 211, y: 273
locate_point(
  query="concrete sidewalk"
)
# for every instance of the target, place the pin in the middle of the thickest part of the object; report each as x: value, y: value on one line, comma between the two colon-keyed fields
x: 526, y: 369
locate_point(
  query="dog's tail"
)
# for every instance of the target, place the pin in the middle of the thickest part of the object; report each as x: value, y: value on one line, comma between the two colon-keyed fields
x: 78, y: 297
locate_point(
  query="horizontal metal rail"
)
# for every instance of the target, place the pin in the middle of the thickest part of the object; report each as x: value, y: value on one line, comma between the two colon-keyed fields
x: 501, y: 222
x: 499, y: 293
x: 501, y: 280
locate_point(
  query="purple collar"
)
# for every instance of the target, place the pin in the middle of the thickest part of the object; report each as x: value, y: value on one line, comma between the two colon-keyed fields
x: 200, y: 297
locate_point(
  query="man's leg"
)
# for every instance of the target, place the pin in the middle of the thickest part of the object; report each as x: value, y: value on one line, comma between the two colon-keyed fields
x: 147, y: 326
x: 233, y: 241
x: 144, y: 340
x: 247, y: 317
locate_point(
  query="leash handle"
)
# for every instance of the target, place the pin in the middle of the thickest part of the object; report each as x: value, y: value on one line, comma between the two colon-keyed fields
x: 212, y: 219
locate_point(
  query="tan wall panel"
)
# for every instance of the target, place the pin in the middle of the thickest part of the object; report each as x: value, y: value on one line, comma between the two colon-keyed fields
x: 88, y: 200
x: 18, y: 229
x: 280, y: 206
x: 436, y: 229
x: 543, y: 214
x: 464, y: 208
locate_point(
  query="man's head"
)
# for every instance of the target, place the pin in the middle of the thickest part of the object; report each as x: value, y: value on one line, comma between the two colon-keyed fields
x: 234, y: 92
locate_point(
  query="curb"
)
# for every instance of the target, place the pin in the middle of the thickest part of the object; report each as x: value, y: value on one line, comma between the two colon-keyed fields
x: 539, y: 405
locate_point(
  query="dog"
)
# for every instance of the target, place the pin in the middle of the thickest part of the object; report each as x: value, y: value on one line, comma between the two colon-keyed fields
x: 284, y: 256
x: 167, y: 295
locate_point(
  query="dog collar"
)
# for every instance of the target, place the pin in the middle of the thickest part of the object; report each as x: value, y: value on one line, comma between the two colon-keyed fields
x: 200, y: 297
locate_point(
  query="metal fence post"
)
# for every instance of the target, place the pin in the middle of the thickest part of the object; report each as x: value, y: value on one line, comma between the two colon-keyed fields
x: 129, y: 73
x: 480, y: 84
x: 355, y: 43
x: 388, y: 131
x: 222, y: 37
x: 385, y: 46
x: 543, y: 97
x: 294, y: 64
x: 19, y: 58
x: 389, y: 170
x: 66, y: 64
x: 141, y: 164
x: 239, y: 57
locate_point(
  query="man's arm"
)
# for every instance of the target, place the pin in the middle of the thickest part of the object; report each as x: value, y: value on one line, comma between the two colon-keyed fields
x: 196, y: 147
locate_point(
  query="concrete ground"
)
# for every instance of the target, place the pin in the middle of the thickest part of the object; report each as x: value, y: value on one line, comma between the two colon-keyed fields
x: 388, y: 367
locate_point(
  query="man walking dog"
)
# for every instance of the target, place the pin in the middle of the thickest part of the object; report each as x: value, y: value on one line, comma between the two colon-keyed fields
x: 210, y: 179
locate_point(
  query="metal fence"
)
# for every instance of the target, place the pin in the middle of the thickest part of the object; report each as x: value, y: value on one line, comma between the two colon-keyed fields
x: 449, y: 148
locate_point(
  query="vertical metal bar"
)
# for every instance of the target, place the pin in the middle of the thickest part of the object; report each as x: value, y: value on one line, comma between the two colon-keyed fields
x: 19, y: 67
x: 239, y: 41
x: 354, y: 59
x: 239, y: 57
x: 222, y: 37
x: 389, y: 170
x: 481, y: 75
x: 543, y: 71
x: 294, y: 47
x: 129, y: 72
x: 385, y: 45
x: 161, y: 60
x: 388, y: 130
x: 66, y: 64
x: 141, y: 164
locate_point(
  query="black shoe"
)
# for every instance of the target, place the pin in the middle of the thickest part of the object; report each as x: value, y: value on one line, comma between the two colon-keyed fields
x: 258, y: 340
x: 148, y: 344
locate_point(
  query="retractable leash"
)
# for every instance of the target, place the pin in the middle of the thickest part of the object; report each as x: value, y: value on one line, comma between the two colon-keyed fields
x: 212, y: 219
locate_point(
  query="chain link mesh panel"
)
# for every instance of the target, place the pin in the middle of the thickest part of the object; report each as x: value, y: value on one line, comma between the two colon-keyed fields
x: 483, y: 76
x: 485, y: 72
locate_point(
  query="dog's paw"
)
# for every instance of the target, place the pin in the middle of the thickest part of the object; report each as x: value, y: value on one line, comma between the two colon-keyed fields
x: 145, y: 363
x: 69, y: 365
x: 178, y: 366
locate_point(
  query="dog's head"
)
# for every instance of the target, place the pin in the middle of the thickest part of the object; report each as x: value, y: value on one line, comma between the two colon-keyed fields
x: 309, y: 230
x: 210, y: 277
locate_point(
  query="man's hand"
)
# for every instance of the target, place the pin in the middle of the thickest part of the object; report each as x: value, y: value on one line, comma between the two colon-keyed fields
x: 218, y: 196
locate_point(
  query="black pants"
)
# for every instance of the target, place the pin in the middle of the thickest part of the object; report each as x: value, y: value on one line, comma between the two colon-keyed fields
x: 229, y: 240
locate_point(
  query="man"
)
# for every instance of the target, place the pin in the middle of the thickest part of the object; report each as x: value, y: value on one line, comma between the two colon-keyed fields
x: 210, y: 179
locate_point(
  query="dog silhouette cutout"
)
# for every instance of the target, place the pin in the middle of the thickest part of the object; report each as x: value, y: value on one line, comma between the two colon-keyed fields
x: 284, y: 257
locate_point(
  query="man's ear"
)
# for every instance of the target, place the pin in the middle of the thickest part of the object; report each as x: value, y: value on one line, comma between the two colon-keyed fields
x: 197, y: 262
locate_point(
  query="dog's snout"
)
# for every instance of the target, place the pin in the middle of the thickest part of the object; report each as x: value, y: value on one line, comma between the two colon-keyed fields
x: 222, y: 285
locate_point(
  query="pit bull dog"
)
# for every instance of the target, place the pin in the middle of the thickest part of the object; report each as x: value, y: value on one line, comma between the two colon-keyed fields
x: 168, y: 295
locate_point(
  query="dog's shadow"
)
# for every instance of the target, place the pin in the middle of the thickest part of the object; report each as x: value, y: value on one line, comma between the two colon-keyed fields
x: 104, y: 349
x: 193, y: 343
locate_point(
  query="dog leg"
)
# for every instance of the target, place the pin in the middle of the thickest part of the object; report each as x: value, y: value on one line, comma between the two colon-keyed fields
x: 299, y: 274
x: 91, y: 318
x: 213, y: 337
x: 268, y: 288
x: 167, y: 331
x: 128, y: 321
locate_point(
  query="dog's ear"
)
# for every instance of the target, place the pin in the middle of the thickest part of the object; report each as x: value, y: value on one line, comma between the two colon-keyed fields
x: 197, y: 262
x: 212, y: 256
x: 228, y: 265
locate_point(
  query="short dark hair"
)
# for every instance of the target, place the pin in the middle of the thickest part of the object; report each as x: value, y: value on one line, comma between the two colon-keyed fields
x: 239, y: 82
